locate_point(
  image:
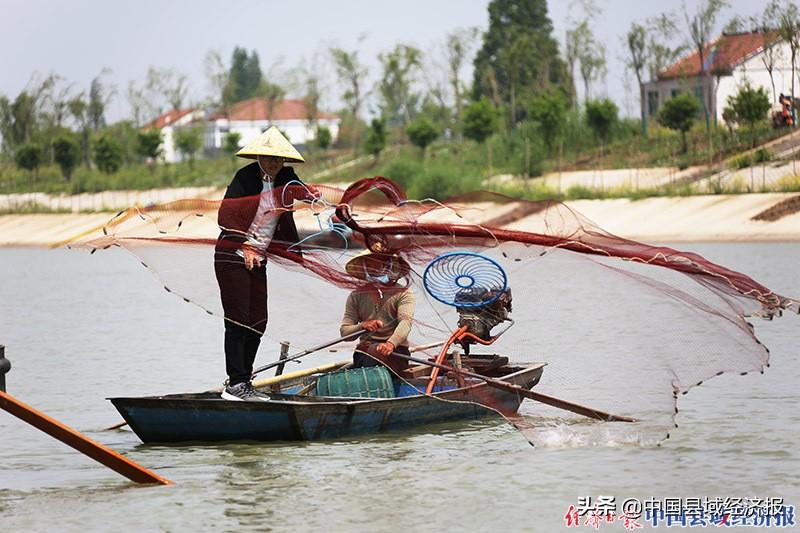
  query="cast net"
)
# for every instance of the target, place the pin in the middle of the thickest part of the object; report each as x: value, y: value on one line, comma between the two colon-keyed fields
x: 624, y: 327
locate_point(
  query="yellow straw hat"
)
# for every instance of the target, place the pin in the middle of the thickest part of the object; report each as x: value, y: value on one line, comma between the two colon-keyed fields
x: 271, y: 142
x: 399, y: 267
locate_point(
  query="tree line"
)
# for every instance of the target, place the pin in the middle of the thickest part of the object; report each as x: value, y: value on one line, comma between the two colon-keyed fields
x: 522, y: 81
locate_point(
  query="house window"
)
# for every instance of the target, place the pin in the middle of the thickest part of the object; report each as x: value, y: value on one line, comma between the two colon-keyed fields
x: 674, y: 92
x: 698, y: 93
x: 652, y: 103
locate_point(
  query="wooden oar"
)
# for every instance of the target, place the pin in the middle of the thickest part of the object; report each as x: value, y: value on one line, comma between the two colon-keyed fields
x: 590, y: 412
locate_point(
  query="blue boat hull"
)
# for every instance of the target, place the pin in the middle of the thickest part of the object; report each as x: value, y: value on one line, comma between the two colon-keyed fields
x: 207, y: 418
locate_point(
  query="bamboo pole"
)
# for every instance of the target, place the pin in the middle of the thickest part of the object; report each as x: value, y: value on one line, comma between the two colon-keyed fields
x: 70, y: 437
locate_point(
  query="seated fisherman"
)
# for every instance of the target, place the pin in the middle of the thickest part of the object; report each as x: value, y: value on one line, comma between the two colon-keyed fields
x: 383, y: 307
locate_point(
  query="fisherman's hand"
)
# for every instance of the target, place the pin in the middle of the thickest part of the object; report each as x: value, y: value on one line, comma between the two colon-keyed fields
x: 372, y: 325
x: 385, y: 348
x: 313, y: 192
x: 252, y: 258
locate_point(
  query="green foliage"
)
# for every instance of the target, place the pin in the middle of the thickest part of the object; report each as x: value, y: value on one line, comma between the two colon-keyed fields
x: 245, y: 75
x: 376, y: 137
x: 323, y: 138
x: 398, y: 103
x: 18, y: 119
x: 188, y: 141
x: 421, y: 132
x: 107, y: 154
x: 66, y: 153
x: 749, y: 106
x: 601, y: 115
x: 740, y: 161
x: 762, y: 155
x: 29, y: 156
x: 230, y: 143
x: 549, y: 110
x: 149, y: 144
x: 519, y: 57
x: 480, y: 120
x: 678, y: 113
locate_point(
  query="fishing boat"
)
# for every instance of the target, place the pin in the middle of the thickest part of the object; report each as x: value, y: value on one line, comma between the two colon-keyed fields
x: 301, y: 412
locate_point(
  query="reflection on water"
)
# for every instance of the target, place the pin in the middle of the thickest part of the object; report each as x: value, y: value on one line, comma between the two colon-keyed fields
x: 75, y: 335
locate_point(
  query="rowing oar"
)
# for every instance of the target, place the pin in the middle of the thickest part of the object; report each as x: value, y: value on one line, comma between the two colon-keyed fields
x: 537, y: 396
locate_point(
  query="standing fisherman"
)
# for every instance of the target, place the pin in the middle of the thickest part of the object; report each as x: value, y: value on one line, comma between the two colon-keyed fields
x: 255, y: 214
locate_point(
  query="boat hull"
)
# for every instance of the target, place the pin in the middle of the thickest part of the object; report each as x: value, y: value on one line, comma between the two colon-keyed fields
x: 205, y: 417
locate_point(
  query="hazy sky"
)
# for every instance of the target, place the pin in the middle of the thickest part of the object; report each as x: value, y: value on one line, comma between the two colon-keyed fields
x: 78, y: 38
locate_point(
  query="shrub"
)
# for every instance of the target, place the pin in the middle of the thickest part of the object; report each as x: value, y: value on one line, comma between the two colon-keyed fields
x: 29, y: 156
x: 107, y: 154
x: 678, y: 113
x: 421, y: 132
x: 66, y: 153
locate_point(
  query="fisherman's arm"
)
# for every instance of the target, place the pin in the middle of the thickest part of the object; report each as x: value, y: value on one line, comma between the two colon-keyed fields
x: 405, y: 317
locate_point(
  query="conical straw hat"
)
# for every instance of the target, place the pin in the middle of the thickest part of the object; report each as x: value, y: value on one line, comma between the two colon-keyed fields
x: 272, y: 142
x: 398, y: 267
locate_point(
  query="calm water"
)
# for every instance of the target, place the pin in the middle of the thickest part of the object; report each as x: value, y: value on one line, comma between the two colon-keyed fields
x: 79, y: 329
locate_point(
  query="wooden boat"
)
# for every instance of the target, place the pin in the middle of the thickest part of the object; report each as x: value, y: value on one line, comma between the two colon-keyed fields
x: 303, y: 417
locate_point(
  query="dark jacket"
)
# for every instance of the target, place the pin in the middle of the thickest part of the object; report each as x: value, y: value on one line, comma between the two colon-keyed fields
x: 240, y: 205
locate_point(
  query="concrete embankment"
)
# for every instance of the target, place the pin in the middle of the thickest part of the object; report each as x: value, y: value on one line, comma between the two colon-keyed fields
x: 693, y: 218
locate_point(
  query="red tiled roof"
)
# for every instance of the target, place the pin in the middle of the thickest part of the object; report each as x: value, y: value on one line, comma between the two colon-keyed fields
x: 721, y: 55
x: 256, y: 109
x: 167, y: 118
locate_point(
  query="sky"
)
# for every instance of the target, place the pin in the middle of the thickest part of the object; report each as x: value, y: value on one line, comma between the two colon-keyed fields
x: 77, y: 39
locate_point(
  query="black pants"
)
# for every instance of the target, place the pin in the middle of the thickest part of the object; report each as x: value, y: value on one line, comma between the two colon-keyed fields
x: 244, y: 300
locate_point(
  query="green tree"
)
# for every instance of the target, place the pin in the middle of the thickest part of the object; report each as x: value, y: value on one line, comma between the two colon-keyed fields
x: 678, y: 113
x: 524, y: 25
x: 29, y: 156
x: 351, y: 74
x: 601, y: 115
x: 376, y: 137
x: 230, y: 143
x: 549, y: 110
x: 323, y: 138
x: 750, y: 106
x: 245, y: 75
x: 636, y: 41
x: 100, y: 96
x: 480, y: 122
x: 148, y: 146
x: 701, y: 28
x: 188, y: 141
x: 458, y: 46
x: 789, y: 31
x: 19, y: 119
x: 67, y: 154
x: 399, y: 67
x: 272, y: 93
x: 421, y: 132
x: 108, y: 154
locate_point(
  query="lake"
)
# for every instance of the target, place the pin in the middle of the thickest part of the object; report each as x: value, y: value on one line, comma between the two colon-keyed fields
x: 80, y: 328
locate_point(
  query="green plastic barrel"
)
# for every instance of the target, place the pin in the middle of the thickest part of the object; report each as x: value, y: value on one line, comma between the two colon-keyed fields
x: 367, y: 382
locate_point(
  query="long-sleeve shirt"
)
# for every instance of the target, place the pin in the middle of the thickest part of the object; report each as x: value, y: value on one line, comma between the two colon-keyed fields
x: 394, y: 308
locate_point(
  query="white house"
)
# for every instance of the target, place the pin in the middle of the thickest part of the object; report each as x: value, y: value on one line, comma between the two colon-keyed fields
x: 731, y: 59
x: 252, y: 117
x: 167, y: 124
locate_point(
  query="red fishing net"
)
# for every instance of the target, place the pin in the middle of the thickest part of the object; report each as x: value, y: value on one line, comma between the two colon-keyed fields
x: 668, y: 320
